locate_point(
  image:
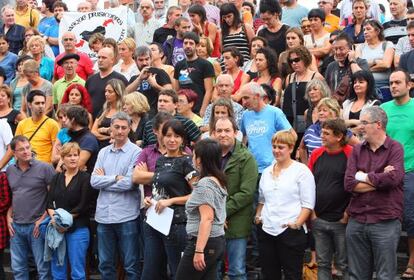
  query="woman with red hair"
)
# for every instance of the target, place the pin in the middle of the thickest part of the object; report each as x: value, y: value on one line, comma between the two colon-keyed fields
x: 76, y: 94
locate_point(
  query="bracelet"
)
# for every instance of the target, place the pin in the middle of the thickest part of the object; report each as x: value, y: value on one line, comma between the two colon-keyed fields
x: 198, y: 252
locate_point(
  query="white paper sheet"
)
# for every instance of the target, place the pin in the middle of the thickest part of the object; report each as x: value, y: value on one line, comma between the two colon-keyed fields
x: 160, y: 222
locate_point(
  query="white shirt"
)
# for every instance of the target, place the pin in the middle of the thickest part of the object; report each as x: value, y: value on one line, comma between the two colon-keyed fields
x: 6, y: 136
x: 283, y: 197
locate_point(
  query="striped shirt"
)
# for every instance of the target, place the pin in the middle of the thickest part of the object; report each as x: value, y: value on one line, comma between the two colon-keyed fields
x: 240, y: 41
x: 192, y: 131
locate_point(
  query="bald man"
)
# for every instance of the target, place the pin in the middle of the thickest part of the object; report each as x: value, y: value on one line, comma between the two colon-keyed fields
x: 85, y: 65
x: 97, y: 82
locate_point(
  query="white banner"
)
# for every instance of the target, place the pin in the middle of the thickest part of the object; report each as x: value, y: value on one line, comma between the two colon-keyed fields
x: 112, y: 23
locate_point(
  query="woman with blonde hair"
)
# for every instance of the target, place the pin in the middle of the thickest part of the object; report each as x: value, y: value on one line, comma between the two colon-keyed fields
x: 70, y: 190
x: 126, y: 65
x: 287, y: 188
x: 136, y: 106
x: 36, y: 46
x: 204, y: 50
x: 328, y: 109
x: 315, y: 90
x: 114, y: 93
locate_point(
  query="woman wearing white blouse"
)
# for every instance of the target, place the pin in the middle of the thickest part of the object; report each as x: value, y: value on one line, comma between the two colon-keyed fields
x: 286, y: 200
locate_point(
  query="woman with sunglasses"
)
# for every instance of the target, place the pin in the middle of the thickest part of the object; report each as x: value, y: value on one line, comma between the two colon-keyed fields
x: 294, y: 38
x: 379, y: 54
x: 294, y: 102
x: 359, y: 15
x: 305, y: 26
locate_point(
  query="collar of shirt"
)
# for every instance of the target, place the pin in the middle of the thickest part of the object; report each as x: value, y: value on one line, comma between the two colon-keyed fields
x: 386, y: 143
x: 124, y: 148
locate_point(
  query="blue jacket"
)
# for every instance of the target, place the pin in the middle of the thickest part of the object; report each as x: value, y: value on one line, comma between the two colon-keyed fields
x: 55, y: 239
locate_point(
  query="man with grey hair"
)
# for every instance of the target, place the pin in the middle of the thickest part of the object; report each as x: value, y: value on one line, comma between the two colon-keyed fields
x: 224, y: 87
x: 374, y: 176
x: 13, y: 32
x: 118, y: 204
x: 150, y: 81
x: 144, y: 28
x: 396, y: 27
x: 84, y: 66
x: 260, y: 123
x: 96, y: 83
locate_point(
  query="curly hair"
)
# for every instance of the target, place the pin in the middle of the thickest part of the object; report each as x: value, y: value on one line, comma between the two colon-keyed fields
x: 303, y: 53
x: 271, y: 59
x: 86, y: 98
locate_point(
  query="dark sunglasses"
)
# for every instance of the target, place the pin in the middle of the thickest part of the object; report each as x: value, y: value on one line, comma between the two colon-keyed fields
x: 296, y: 60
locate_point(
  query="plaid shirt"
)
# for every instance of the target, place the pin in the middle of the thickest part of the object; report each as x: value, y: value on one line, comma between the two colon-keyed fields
x: 5, y: 202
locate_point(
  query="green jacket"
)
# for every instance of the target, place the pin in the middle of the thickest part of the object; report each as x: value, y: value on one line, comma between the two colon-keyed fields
x: 241, y: 171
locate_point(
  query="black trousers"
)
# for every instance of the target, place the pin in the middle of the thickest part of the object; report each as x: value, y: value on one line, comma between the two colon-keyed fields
x: 213, y: 252
x: 282, y: 252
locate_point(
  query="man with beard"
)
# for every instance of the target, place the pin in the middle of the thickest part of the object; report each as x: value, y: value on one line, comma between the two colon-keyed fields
x: 39, y: 128
x: 195, y: 73
x: 173, y: 47
x: 52, y: 34
x: 150, y: 80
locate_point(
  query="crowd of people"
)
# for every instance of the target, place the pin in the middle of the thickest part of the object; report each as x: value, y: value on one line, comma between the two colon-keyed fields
x: 265, y: 124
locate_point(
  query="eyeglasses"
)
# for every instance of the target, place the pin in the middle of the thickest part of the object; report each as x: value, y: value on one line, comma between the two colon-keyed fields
x: 145, y: 7
x: 296, y: 60
x: 306, y: 26
x: 67, y: 39
x: 367, y: 122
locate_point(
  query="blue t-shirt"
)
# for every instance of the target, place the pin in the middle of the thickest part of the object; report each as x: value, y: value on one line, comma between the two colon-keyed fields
x: 53, y: 32
x: 45, y: 23
x: 292, y: 17
x: 46, y: 68
x: 259, y: 127
x: 8, y: 63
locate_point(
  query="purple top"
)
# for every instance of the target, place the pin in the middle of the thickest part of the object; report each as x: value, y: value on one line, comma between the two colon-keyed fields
x: 386, y: 202
x: 149, y: 155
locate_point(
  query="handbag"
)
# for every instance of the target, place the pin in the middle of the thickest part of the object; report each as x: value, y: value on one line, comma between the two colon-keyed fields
x: 310, y: 271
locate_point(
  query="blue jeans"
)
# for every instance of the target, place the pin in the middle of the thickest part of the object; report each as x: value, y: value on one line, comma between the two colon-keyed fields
x: 329, y: 240
x: 122, y: 237
x: 372, y: 247
x: 21, y: 244
x: 236, y: 255
x: 77, y: 243
x: 408, y: 203
x: 161, y: 249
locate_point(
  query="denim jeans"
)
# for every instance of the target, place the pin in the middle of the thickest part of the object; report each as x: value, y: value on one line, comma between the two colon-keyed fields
x: 77, y: 243
x: 372, y: 247
x: 161, y: 249
x: 122, y: 238
x: 408, y: 203
x: 21, y: 245
x: 330, y: 241
x: 213, y: 252
x: 236, y: 254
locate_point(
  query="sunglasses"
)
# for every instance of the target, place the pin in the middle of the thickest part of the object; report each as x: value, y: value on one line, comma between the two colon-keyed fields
x: 296, y: 60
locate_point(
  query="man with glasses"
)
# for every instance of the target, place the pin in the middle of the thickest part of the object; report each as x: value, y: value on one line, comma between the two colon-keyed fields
x: 84, y: 66
x: 144, y: 29
x: 69, y: 63
x: 29, y: 179
x: 374, y: 176
x: 331, y: 20
x: 404, y: 44
x: 112, y: 176
x: 400, y: 112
